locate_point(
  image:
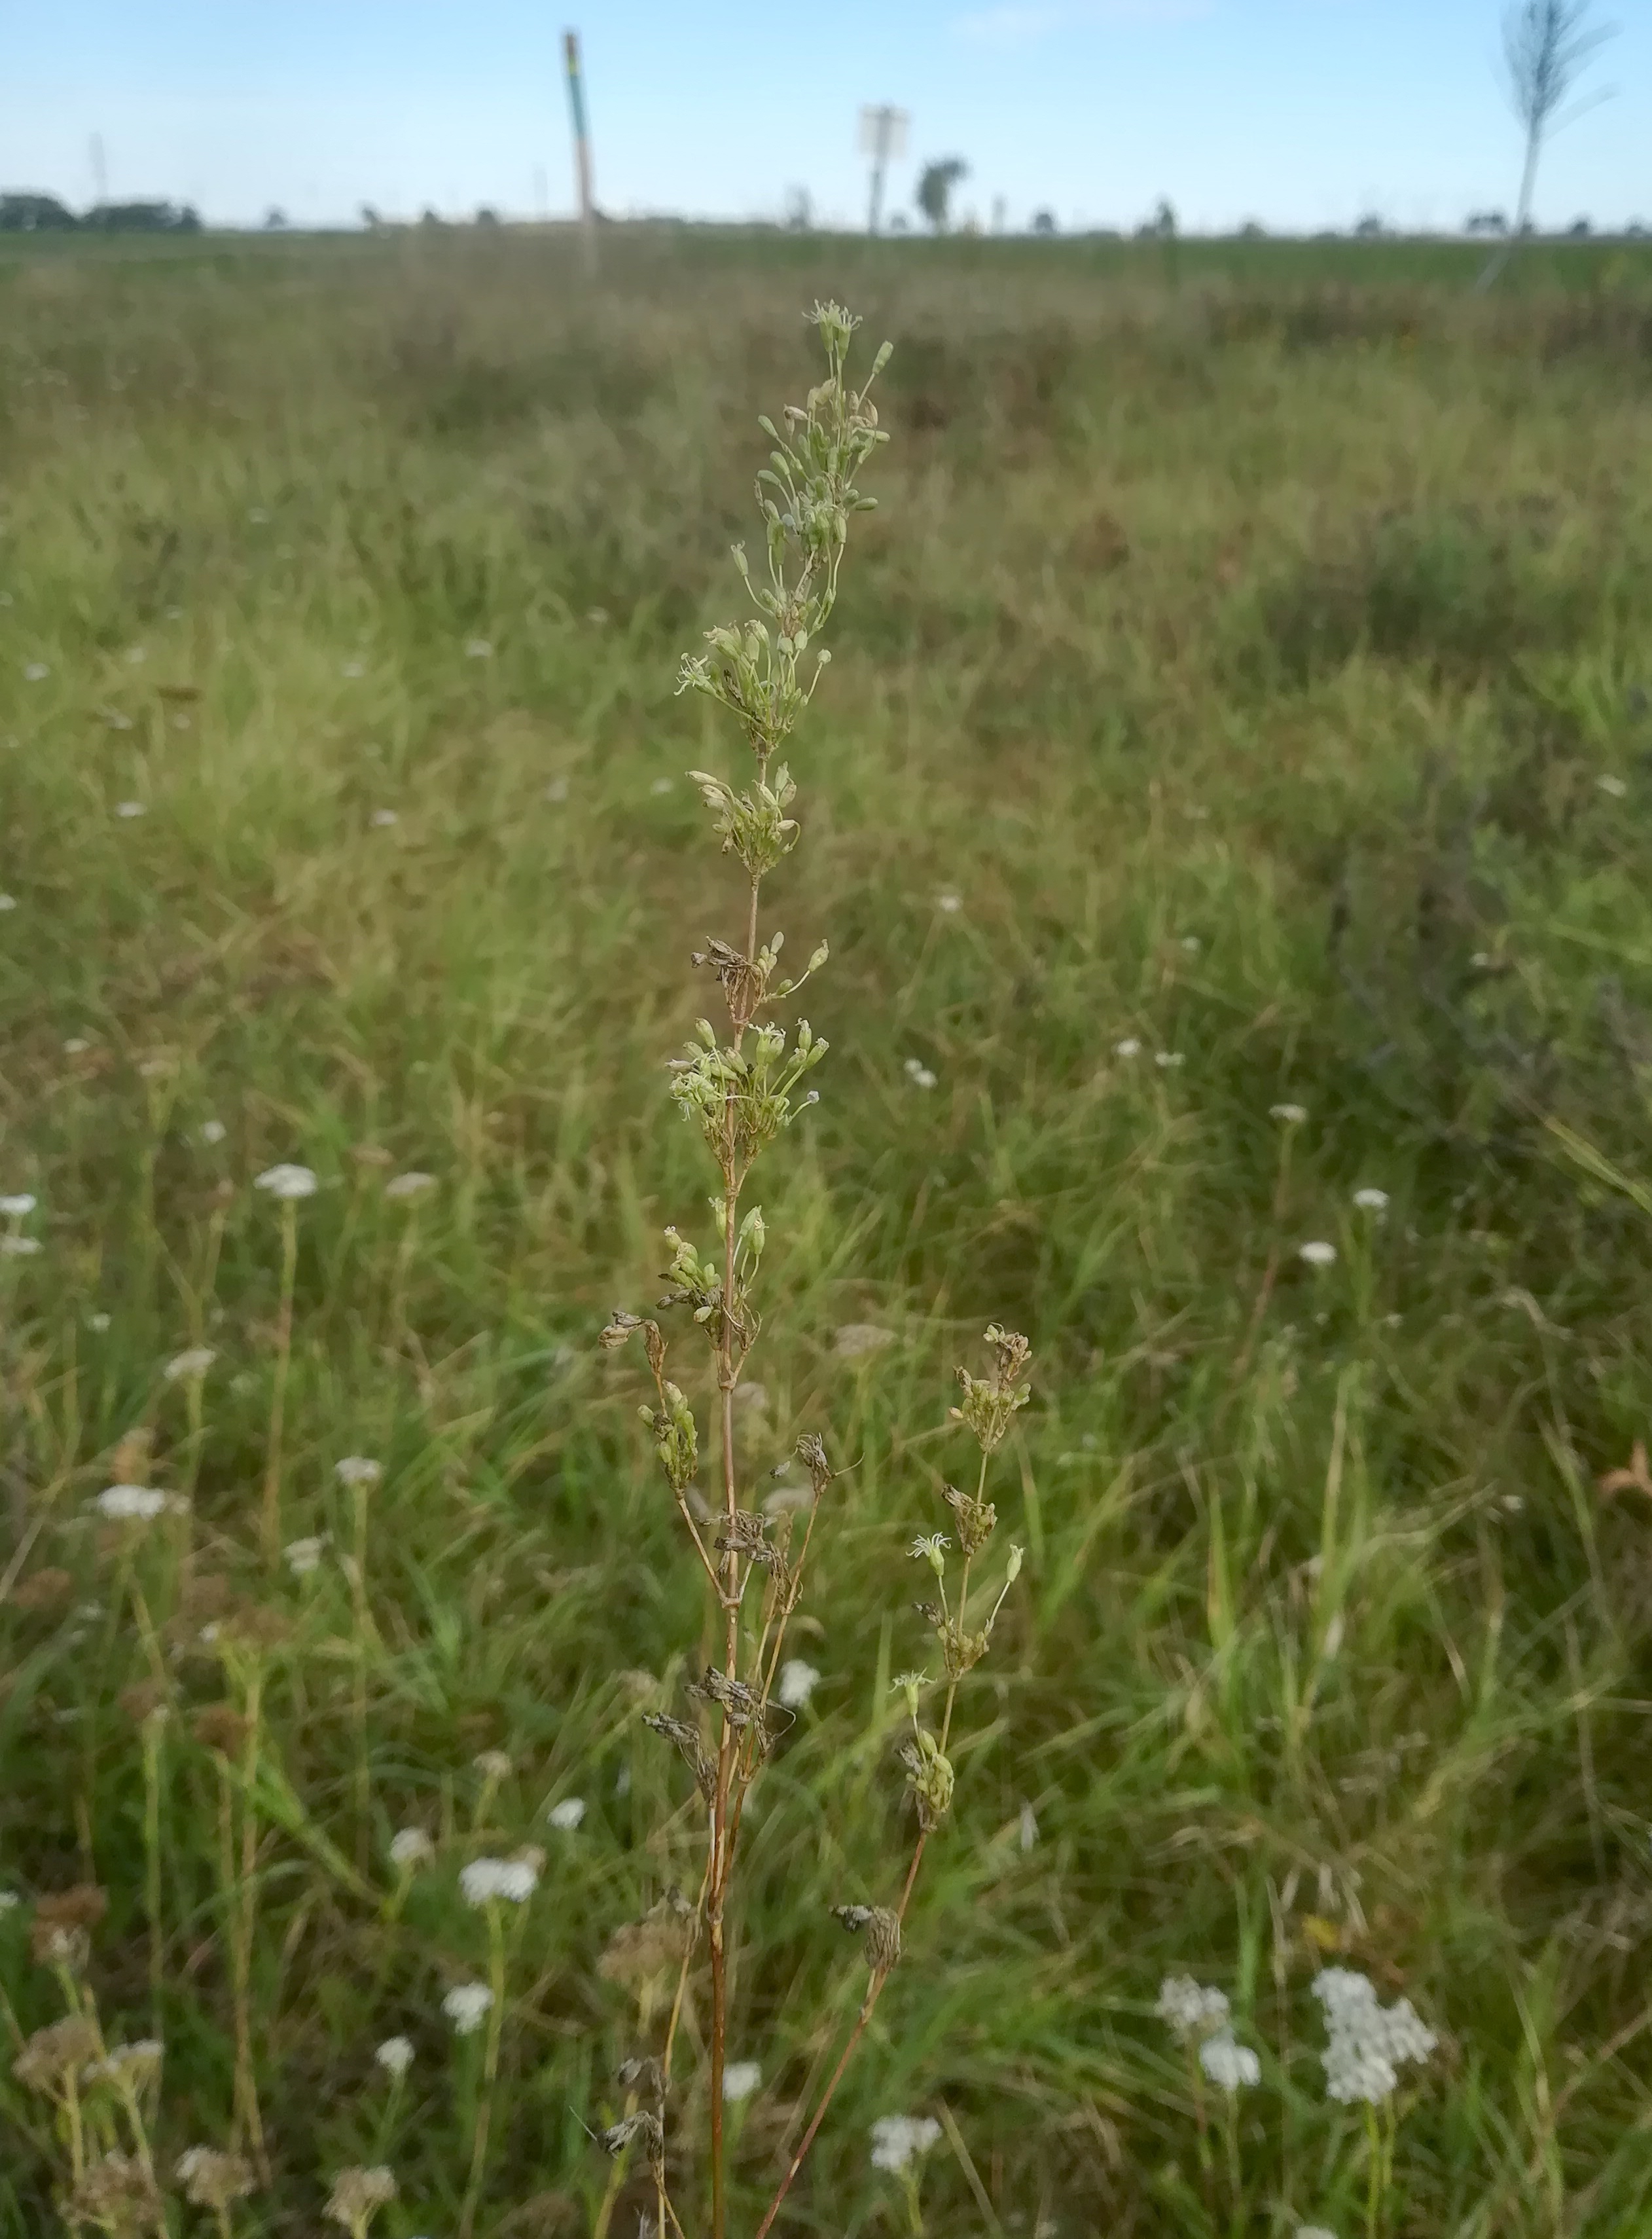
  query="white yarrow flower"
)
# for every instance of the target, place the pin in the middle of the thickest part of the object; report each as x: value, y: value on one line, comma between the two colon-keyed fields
x: 741, y: 2079
x: 1192, y: 2010
x: 412, y: 1184
x: 288, y: 1181
x: 130, y: 1504
x: 213, y: 1131
x: 1229, y: 2064
x: 1167, y: 1060
x: 1130, y: 1046
x: 798, y: 1681
x: 302, y: 1557
x: 486, y: 1880
x: 1288, y: 1115
x: 478, y: 649
x: 466, y: 2004
x: 189, y: 1366
x: 1371, y: 1200
x: 394, y: 2056
x: 35, y: 672
x: 567, y: 1815
x: 128, y: 809
x: 949, y: 905
x: 20, y: 1247
x: 1318, y: 1254
x: 1366, y: 2041
x: 357, y: 1469
x: 8, y: 901
x: 899, y: 2139
x: 18, y: 1207
x: 383, y: 819
x: 919, y: 1073
x: 855, y: 1340
x: 411, y: 1846
x: 1613, y: 785
x: 1313, y: 2231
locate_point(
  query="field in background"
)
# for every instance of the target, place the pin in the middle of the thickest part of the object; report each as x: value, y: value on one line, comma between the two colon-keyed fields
x: 1239, y: 699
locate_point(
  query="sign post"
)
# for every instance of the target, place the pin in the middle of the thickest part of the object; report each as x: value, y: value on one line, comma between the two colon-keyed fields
x: 883, y: 137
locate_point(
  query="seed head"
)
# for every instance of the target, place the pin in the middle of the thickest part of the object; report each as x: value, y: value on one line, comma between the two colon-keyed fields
x: 411, y: 1847
x: 357, y: 2196
x: 119, y: 2194
x: 55, y: 2054
x: 214, y: 2180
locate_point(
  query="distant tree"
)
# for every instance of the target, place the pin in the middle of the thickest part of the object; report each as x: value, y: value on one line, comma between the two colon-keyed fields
x: 274, y: 221
x: 1579, y: 229
x: 24, y: 213
x: 1486, y: 221
x: 1370, y: 228
x: 1044, y: 222
x: 1253, y: 229
x: 898, y: 222
x: 142, y: 217
x: 487, y: 216
x: 1546, y: 45
x: 935, y: 185
x: 800, y: 211
x: 1162, y: 225
x: 428, y: 217
x: 370, y: 219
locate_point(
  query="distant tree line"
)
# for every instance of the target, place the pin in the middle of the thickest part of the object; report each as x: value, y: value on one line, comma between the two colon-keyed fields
x: 25, y: 213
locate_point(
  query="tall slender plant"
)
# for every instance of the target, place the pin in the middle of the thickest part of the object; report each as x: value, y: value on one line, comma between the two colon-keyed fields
x: 743, y: 1085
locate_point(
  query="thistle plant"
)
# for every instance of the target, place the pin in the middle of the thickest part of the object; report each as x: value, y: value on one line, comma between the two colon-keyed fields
x: 743, y: 1084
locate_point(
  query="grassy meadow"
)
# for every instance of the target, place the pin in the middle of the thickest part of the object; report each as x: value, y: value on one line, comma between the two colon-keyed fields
x: 1239, y: 702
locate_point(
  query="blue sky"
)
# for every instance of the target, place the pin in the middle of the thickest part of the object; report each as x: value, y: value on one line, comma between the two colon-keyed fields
x: 1299, y: 113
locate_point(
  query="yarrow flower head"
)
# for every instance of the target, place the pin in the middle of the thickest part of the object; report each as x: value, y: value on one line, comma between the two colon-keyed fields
x: 798, y: 1681
x: 394, y: 2056
x: 412, y: 1184
x: 899, y: 2140
x: 287, y: 1182
x: 410, y: 1847
x: 356, y: 1469
x: 567, y: 1815
x: 189, y: 1366
x: 465, y: 2006
x: 1318, y: 1254
x: 18, y: 1207
x: 1229, y: 2064
x: 1371, y: 1200
x: 1366, y: 2041
x: 741, y: 2079
x: 130, y: 1504
x: 485, y: 1880
x: 1288, y: 1115
x: 302, y: 1557
x: 1192, y: 2010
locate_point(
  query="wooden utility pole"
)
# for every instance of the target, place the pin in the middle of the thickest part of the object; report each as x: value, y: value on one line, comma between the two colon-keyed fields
x: 581, y: 145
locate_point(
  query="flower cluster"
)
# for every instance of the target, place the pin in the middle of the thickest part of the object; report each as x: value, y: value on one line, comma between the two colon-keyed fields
x: 1367, y: 2043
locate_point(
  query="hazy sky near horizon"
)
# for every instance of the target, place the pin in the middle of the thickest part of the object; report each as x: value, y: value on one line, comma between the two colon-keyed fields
x: 1298, y: 113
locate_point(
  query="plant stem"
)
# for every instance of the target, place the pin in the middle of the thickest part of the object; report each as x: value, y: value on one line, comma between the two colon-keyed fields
x: 278, y: 1398
x: 245, y: 2085
x: 490, y: 2069
x: 151, y: 1731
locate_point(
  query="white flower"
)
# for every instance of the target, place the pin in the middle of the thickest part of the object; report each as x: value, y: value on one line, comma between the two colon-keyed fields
x: 919, y: 1073
x: 465, y: 2005
x: 478, y: 649
x: 8, y: 901
x: 1318, y: 1255
x: 855, y: 1340
x: 412, y: 1184
x: 288, y: 1181
x: 302, y: 1556
x: 77, y: 1045
x: 741, y: 2079
x: 213, y: 1131
x: 1191, y: 943
x: 185, y: 1367
x: 486, y: 1879
x: 129, y: 809
x: 1313, y: 2231
x: 928, y: 1548
x: 411, y: 1846
x: 135, y: 1504
x: 8, y: 1901
x: 556, y: 791
x: 1371, y: 1200
x: 567, y: 1815
x: 1130, y: 1046
x: 395, y: 2056
x: 1289, y: 1115
x: 135, y: 656
x: 1028, y: 1832
x: 353, y: 668
x: 1229, y: 2064
x: 1167, y: 1060
x: 356, y: 1469
x: 383, y: 818
x: 19, y: 1247
x: 949, y: 905
x: 898, y: 2139
x: 97, y: 1323
x: 798, y: 1681
x: 36, y: 672
x: 661, y: 785
x: 1615, y: 785
x: 1192, y: 2010
x: 493, y: 1764
x: 14, y: 1208
x: 1366, y: 2041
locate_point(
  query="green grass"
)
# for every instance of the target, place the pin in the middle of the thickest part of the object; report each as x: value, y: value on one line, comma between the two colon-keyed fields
x: 1246, y: 656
